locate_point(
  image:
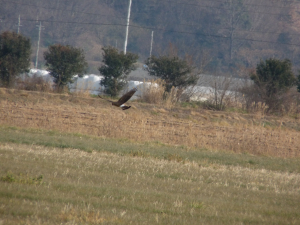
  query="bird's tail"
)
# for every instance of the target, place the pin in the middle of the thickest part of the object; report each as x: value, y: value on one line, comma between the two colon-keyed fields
x: 125, y: 107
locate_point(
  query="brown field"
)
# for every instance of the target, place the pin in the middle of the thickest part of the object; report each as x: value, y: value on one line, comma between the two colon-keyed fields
x: 195, y: 128
x: 74, y: 159
x: 67, y: 186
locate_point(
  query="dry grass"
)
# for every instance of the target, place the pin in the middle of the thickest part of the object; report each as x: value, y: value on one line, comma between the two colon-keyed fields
x: 153, y: 92
x: 141, y: 180
x: 156, y: 150
x: 104, y: 188
x: 35, y: 83
x: 255, y: 134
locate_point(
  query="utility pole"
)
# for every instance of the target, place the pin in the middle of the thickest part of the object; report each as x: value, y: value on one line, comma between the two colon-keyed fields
x: 38, y: 45
x: 19, y: 24
x: 151, y: 43
x: 127, y: 26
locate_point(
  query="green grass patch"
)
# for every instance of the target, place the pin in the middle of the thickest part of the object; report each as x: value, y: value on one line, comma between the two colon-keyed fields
x: 123, y: 182
x: 21, y: 178
x: 156, y: 150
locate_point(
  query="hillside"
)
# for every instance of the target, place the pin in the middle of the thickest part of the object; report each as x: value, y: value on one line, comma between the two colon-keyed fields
x: 228, y: 35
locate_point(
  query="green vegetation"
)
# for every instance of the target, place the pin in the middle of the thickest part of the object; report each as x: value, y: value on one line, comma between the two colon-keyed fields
x: 63, y: 62
x: 222, y: 29
x: 21, y: 178
x: 15, y: 53
x: 217, y: 167
x: 156, y: 150
x: 115, y: 69
x: 158, y: 185
x: 176, y: 72
x: 273, y: 78
x: 274, y: 75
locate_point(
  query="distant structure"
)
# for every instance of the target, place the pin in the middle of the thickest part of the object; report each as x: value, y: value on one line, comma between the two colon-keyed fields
x: 38, y: 45
x: 151, y: 43
x: 19, y: 24
x: 127, y: 26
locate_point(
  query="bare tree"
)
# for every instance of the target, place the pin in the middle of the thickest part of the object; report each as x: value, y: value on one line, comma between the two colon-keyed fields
x: 220, y: 91
x: 237, y: 17
x: 196, y: 91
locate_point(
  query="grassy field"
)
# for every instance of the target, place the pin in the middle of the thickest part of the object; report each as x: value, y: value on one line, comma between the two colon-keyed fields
x: 74, y: 160
x: 191, y: 127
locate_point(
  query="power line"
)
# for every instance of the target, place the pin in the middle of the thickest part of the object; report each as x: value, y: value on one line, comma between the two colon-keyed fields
x: 164, y: 30
x: 73, y: 22
x: 30, y: 5
x: 109, y: 24
x: 285, y: 1
x: 223, y: 8
x: 64, y: 10
x: 136, y: 26
x: 273, y: 6
x: 172, y: 2
x: 242, y: 30
x: 250, y: 4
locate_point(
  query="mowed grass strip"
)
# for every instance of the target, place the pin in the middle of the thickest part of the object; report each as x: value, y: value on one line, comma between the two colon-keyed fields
x: 203, y: 157
x: 99, y: 187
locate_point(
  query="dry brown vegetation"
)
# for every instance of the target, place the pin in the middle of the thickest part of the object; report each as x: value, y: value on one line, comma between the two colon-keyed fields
x: 77, y: 187
x: 34, y: 83
x: 195, y: 128
x: 74, y: 159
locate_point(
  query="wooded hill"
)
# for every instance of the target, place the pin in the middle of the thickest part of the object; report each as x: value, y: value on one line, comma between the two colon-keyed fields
x: 229, y: 34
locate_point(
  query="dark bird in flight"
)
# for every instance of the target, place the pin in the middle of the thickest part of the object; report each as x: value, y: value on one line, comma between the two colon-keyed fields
x: 123, y: 99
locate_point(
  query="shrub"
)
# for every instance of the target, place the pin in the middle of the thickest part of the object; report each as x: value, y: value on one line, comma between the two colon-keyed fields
x: 153, y: 91
x: 272, y: 81
x: 115, y: 69
x: 63, y: 63
x: 15, y: 51
x: 35, y: 83
x: 174, y: 71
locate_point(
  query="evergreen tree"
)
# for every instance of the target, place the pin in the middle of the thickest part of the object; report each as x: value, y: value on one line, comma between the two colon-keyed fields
x: 273, y: 78
x: 15, y: 50
x: 115, y: 69
x: 174, y: 71
x: 64, y: 62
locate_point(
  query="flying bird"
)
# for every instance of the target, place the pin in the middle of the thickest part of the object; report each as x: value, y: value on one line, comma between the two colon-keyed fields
x: 123, y: 99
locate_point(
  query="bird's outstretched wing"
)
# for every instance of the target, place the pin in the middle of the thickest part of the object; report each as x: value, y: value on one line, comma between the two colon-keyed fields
x: 127, y: 96
x: 104, y: 98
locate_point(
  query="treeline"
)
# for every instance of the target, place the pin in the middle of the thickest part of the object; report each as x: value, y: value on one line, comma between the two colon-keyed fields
x: 65, y: 61
x: 274, y: 82
x: 231, y: 33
